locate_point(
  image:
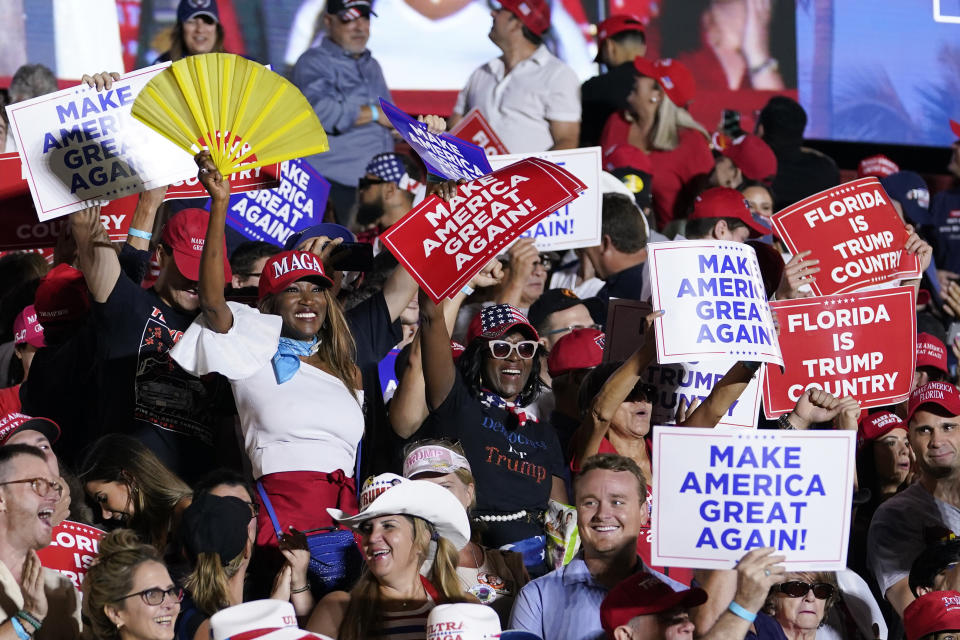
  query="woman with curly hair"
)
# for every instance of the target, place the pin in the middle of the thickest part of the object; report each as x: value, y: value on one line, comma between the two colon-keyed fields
x: 128, y: 593
x: 483, y: 401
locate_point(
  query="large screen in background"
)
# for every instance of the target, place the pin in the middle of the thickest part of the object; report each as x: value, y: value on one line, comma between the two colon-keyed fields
x: 885, y: 71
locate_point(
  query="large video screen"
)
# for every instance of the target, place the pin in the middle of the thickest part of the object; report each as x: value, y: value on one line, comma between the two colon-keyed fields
x: 886, y: 71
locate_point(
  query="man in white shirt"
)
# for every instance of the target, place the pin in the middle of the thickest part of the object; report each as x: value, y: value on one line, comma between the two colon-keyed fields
x: 33, y: 601
x: 529, y: 97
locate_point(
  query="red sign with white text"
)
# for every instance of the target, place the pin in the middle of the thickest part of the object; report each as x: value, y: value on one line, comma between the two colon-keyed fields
x: 444, y: 244
x: 475, y: 128
x: 72, y: 550
x: 862, y: 345
x: 267, y: 177
x: 855, y: 233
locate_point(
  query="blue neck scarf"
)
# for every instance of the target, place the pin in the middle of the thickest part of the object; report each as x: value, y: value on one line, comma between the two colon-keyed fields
x: 286, y: 360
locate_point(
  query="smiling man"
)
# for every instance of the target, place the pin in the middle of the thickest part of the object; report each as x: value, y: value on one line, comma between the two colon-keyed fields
x: 903, y: 524
x: 35, y: 601
x: 146, y: 394
x: 610, y: 496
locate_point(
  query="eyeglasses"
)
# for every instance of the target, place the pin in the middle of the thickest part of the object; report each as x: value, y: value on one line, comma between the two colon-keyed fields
x: 254, y: 508
x: 501, y: 349
x: 363, y: 183
x: 494, y: 5
x: 40, y: 486
x: 642, y: 392
x: 572, y: 327
x: 799, y: 589
x: 545, y: 261
x: 155, y: 595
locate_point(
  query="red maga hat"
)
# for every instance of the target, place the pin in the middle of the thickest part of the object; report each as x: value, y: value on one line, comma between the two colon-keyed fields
x: 876, y: 425
x: 931, y: 613
x: 672, y: 76
x: 289, y: 266
x: 644, y: 594
x: 752, y: 156
x: 724, y: 202
x: 579, y: 349
x: 942, y: 394
x: 534, y: 14
x: 931, y: 352
x: 185, y: 234
x: 617, y: 24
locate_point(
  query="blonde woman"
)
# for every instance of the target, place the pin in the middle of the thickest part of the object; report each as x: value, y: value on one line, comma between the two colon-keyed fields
x: 492, y: 576
x: 657, y: 131
x: 410, y: 533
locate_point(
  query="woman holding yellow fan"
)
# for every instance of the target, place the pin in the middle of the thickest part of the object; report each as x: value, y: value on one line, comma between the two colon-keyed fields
x: 297, y: 389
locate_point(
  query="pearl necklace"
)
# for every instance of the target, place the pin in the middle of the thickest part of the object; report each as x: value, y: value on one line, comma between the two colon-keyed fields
x: 519, y: 515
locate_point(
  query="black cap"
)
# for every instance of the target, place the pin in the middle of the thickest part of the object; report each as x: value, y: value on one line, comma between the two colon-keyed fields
x: 640, y: 184
x: 554, y: 300
x: 351, y: 9
x: 214, y: 524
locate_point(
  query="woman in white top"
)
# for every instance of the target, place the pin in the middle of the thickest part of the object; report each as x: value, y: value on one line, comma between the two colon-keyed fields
x: 291, y: 367
x: 410, y: 534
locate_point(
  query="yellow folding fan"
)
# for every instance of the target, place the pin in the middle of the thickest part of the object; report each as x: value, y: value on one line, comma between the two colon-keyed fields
x: 246, y: 115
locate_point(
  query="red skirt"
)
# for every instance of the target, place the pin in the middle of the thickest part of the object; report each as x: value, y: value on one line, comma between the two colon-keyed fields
x: 300, y: 499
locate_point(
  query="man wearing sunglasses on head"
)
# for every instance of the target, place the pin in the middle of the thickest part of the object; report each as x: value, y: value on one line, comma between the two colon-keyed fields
x: 36, y: 602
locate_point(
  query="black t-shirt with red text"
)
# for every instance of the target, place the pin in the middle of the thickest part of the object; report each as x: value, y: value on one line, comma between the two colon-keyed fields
x: 513, y: 466
x: 145, y: 393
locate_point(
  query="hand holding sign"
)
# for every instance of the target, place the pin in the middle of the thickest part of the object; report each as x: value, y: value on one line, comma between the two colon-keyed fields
x: 855, y: 233
x: 443, y: 244
x: 445, y: 155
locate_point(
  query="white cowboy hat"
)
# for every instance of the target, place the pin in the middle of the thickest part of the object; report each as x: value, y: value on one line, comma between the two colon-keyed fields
x: 389, y: 494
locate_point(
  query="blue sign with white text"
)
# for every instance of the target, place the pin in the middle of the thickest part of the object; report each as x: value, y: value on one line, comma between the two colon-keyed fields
x: 445, y: 155
x: 273, y: 215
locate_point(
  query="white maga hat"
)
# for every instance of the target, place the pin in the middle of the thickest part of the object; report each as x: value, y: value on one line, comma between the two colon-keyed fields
x: 260, y: 619
x: 389, y: 494
x: 468, y: 621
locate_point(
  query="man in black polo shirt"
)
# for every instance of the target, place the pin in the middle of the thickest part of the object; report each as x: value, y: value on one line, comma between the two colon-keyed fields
x: 620, y: 39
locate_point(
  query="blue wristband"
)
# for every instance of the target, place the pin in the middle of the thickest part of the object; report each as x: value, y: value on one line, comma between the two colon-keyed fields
x: 18, y: 628
x: 139, y: 233
x: 374, y: 113
x: 740, y: 612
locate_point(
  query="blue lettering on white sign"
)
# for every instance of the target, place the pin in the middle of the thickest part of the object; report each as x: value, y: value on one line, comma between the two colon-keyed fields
x: 749, y: 470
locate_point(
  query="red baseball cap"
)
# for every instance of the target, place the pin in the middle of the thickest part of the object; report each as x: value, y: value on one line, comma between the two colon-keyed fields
x: 879, y: 166
x: 579, y: 349
x: 672, y: 76
x: 931, y: 352
x: 877, y: 425
x: 289, y: 266
x: 752, y: 156
x: 627, y: 155
x: 618, y: 24
x: 942, y: 394
x: 724, y: 202
x: 185, y: 233
x: 62, y: 296
x: 534, y: 14
x: 16, y: 422
x: 643, y: 594
x: 932, y: 612
x: 26, y: 329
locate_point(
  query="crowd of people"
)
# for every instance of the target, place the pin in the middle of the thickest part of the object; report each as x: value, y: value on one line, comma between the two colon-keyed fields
x: 299, y: 438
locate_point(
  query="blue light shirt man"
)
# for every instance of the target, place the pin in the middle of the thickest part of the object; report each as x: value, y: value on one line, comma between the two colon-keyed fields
x: 344, y: 84
x: 610, y: 495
